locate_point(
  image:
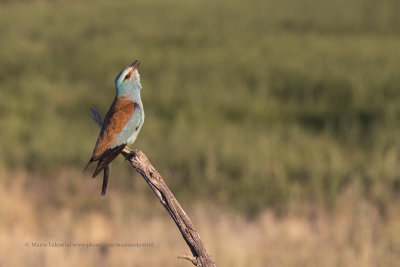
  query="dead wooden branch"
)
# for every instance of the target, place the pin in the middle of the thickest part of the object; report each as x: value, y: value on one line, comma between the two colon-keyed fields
x: 142, y: 165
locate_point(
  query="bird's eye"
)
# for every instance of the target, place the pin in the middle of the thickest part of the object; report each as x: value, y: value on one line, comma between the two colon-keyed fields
x: 127, y: 76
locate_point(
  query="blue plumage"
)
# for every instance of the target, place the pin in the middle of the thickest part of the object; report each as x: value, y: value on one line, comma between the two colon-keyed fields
x: 122, y: 122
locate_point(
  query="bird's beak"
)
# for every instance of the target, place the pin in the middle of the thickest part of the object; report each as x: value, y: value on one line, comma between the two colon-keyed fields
x: 135, y: 64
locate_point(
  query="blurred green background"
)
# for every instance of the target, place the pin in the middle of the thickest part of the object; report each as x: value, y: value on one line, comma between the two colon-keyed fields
x: 253, y: 105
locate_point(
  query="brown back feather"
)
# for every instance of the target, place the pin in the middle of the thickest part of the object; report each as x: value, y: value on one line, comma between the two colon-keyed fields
x: 115, y: 120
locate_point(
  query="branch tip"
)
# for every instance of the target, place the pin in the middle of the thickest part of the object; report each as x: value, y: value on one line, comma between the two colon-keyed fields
x: 189, y: 258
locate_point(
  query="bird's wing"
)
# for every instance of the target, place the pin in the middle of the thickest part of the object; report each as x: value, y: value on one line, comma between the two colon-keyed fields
x: 105, y: 159
x: 120, y: 112
x: 130, y: 130
x: 119, y: 127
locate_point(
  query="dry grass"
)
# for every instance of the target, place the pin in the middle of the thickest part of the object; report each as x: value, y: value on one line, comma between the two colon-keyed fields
x: 353, y: 234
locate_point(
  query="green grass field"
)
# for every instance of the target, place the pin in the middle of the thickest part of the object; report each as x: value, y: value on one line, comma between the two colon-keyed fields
x: 260, y: 104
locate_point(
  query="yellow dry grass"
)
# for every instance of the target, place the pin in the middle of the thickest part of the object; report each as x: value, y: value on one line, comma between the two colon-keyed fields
x: 353, y: 234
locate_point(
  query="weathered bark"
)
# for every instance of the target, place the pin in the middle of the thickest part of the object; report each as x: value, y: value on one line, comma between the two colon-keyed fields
x: 141, y: 164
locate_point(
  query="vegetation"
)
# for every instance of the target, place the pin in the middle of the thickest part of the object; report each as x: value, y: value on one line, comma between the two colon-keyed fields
x: 279, y: 120
x: 353, y: 234
x: 268, y: 104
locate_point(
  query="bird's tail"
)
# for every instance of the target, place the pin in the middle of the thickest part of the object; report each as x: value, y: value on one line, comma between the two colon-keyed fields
x: 87, y: 165
x: 106, y: 179
x: 106, y: 158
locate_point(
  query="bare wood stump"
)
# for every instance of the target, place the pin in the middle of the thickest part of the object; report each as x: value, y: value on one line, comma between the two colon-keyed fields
x: 142, y: 165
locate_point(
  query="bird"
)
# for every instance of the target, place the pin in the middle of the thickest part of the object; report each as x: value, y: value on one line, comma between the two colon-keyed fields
x: 122, y: 122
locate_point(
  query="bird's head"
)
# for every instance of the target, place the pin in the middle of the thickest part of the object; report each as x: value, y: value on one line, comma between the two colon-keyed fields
x: 127, y: 83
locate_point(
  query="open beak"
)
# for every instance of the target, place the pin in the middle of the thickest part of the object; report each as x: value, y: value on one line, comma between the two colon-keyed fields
x: 135, y: 64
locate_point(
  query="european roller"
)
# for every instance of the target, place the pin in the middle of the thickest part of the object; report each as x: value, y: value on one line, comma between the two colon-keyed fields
x: 122, y: 122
